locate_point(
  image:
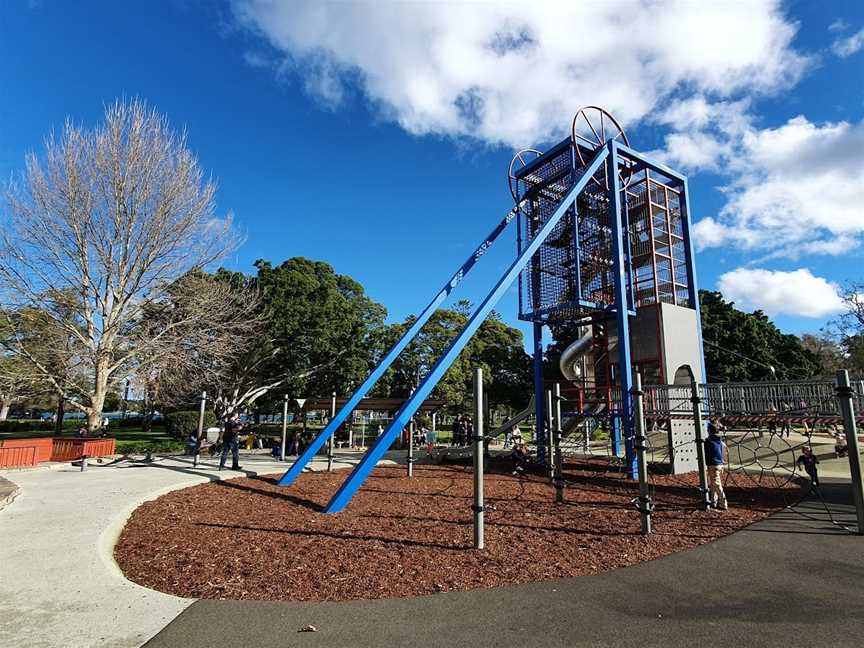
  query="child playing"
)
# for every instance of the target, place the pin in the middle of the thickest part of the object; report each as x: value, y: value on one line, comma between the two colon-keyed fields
x: 809, y: 461
x: 841, y: 447
x: 715, y: 459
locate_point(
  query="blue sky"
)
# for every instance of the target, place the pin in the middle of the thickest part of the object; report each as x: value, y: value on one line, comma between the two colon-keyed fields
x: 377, y: 138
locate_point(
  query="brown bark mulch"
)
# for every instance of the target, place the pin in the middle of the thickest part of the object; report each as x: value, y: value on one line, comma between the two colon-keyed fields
x: 251, y: 539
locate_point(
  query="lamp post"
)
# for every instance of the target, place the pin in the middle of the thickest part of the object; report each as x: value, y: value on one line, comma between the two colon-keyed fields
x: 284, y: 427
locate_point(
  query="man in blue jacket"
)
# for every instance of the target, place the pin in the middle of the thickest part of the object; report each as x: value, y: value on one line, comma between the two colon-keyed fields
x: 715, y: 459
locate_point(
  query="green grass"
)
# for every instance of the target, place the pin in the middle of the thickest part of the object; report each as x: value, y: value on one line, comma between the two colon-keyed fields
x: 129, y: 439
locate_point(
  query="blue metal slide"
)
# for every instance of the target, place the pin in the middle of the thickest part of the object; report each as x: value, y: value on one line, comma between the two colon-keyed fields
x: 409, y: 408
x: 301, y: 462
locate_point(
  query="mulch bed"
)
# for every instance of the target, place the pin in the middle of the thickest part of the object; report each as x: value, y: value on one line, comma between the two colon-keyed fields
x: 251, y: 539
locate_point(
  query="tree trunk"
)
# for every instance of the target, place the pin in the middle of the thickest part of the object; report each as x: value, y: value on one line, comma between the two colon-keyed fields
x: 100, y: 391
x: 4, y: 409
x: 61, y: 412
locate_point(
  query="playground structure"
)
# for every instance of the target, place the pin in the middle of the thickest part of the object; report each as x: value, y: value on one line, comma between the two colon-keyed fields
x: 604, y: 260
x: 603, y: 242
x: 618, y: 270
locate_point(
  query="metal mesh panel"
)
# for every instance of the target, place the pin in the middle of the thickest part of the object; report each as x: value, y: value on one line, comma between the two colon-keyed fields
x: 572, y: 273
x: 549, y: 284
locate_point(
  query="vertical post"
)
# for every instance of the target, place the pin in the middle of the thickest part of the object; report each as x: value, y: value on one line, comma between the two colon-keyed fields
x: 692, y: 286
x: 332, y: 436
x: 699, y: 430
x: 844, y: 395
x: 478, y: 459
x: 646, y: 506
x: 550, y: 416
x: 539, y: 418
x: 198, y: 439
x: 558, y: 477
x: 284, y: 427
x: 622, y: 309
x: 410, y: 460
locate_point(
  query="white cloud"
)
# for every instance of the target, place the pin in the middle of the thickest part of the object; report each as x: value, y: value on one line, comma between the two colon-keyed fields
x: 514, y: 73
x: 781, y: 293
x: 796, y: 189
x: 846, y: 47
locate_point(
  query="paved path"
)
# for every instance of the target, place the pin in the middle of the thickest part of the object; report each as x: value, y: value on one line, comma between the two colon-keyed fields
x: 772, y: 584
x: 59, y: 584
x: 8, y: 492
x: 786, y: 581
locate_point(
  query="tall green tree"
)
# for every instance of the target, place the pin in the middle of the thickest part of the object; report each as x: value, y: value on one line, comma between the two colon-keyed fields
x: 325, y: 324
x: 743, y: 346
x: 496, y: 348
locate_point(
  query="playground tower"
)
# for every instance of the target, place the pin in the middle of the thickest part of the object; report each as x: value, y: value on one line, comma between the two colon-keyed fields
x: 616, y: 275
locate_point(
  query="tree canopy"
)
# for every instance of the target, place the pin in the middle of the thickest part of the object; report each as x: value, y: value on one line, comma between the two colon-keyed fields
x: 496, y: 348
x: 743, y: 346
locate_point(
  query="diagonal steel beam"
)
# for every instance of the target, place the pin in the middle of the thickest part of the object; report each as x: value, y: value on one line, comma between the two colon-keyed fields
x: 373, y: 455
x: 300, y: 463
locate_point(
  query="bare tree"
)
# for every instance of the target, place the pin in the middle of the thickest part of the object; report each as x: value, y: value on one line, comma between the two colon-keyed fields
x: 113, y: 216
x: 218, y: 341
x: 853, y: 319
x: 208, y: 324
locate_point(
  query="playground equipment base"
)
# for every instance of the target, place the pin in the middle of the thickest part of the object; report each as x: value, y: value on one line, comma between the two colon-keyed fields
x: 249, y: 539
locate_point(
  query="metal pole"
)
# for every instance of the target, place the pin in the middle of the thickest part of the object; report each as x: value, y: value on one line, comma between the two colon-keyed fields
x: 646, y: 506
x: 478, y: 459
x: 844, y: 395
x: 410, y: 462
x: 332, y: 436
x: 539, y: 414
x: 556, y: 440
x: 699, y: 431
x: 550, y: 421
x: 284, y: 427
x: 200, y: 429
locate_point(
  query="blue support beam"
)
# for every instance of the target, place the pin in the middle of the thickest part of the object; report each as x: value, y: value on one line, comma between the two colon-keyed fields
x: 294, y: 471
x: 539, y: 398
x: 622, y: 310
x: 692, y: 285
x: 383, y: 442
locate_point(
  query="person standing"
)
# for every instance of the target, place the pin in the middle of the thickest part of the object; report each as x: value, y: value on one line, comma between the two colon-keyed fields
x: 456, y: 439
x: 229, y: 440
x: 786, y: 426
x: 715, y: 459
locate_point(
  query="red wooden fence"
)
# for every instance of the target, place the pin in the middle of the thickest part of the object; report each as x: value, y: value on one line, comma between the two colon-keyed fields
x: 19, y: 453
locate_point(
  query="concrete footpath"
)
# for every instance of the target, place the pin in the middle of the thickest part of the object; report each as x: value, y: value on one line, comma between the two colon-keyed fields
x: 787, y: 581
x: 795, y: 578
x: 59, y: 584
